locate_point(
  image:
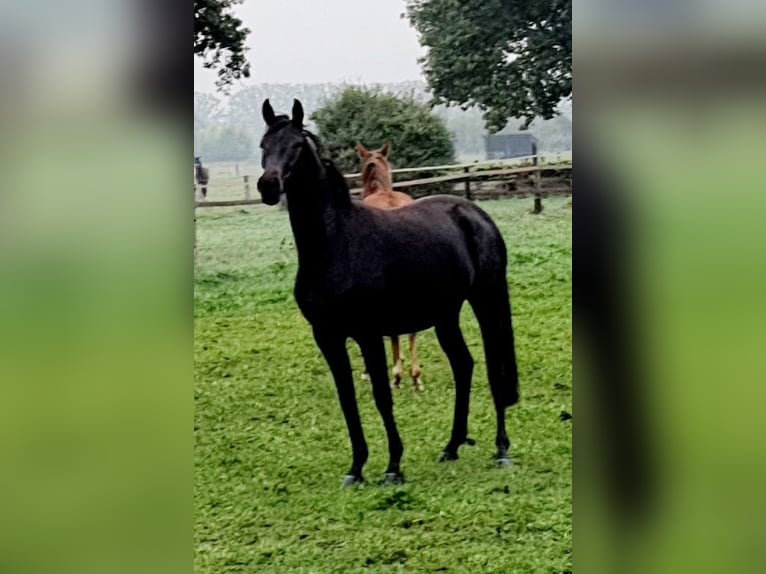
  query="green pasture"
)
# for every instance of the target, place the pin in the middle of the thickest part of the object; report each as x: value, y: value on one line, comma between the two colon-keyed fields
x: 271, y: 445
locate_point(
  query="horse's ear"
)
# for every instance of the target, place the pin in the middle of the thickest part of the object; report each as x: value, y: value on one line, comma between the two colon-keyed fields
x: 268, y: 113
x: 386, y: 149
x: 362, y: 151
x: 297, y: 114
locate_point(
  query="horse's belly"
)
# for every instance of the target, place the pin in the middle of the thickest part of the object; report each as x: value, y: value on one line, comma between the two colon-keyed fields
x: 388, y: 306
x: 396, y: 315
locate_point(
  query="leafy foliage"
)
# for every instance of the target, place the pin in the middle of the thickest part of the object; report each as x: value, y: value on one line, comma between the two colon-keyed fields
x: 207, y: 111
x: 511, y: 58
x: 219, y: 39
x: 373, y: 117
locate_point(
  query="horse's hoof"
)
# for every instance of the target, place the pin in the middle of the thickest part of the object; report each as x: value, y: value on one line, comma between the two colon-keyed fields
x: 393, y: 478
x: 351, y: 480
x: 447, y: 456
x: 365, y: 377
x: 418, y: 385
x: 503, y: 462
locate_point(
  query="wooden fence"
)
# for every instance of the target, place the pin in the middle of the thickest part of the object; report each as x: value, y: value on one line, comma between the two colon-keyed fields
x: 518, y: 177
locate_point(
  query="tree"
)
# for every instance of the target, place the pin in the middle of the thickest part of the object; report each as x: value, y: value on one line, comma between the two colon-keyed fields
x: 511, y: 58
x: 207, y: 110
x: 223, y: 143
x: 219, y: 39
x: 373, y: 117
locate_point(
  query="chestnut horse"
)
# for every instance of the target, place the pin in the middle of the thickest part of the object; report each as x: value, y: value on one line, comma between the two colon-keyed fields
x: 378, y: 192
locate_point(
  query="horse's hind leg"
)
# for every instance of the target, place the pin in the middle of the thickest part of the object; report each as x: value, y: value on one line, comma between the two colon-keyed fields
x: 493, y: 311
x: 374, y: 354
x: 415, y: 367
x: 451, y: 340
x: 398, y: 369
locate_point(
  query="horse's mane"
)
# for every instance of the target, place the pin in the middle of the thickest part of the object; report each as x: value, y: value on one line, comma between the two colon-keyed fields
x: 335, y: 178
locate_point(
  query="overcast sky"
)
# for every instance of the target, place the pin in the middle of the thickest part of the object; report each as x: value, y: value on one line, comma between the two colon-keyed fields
x: 310, y: 41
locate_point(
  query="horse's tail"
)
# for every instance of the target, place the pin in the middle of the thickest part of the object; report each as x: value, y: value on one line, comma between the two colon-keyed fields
x: 492, y: 306
x: 491, y: 303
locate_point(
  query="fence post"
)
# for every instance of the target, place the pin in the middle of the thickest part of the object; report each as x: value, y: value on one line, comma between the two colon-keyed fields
x: 467, y: 185
x: 538, y: 196
x: 247, y: 186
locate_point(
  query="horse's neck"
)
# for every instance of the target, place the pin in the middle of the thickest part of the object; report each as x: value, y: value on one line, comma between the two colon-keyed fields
x: 376, y: 181
x: 314, y: 215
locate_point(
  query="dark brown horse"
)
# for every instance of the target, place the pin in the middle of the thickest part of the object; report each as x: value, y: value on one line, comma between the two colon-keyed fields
x: 201, y: 176
x: 419, y: 264
x: 378, y: 191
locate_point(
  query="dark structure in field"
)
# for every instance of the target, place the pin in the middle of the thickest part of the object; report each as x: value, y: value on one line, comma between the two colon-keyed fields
x: 504, y: 146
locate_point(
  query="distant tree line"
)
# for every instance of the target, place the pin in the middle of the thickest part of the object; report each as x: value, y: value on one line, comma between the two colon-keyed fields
x: 230, y: 129
x: 508, y: 60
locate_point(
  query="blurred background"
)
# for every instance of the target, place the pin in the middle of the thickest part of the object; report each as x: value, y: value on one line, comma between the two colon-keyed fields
x: 670, y: 121
x: 95, y: 289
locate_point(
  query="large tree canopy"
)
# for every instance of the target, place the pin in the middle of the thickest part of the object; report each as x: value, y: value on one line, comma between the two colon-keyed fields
x: 219, y: 39
x: 511, y: 58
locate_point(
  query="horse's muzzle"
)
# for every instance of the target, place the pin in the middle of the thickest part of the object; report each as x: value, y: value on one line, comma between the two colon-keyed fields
x: 270, y: 188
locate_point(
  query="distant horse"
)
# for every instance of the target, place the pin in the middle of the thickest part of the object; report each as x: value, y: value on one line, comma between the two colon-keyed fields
x: 377, y: 191
x: 418, y: 264
x: 201, y: 176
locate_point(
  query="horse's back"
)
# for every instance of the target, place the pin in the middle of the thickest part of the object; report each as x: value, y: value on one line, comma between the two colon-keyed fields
x: 448, y: 214
x: 443, y: 238
x: 387, y: 199
x: 476, y: 223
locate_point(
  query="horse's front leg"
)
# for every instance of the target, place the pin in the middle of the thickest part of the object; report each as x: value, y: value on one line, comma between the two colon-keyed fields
x: 374, y: 354
x: 333, y: 347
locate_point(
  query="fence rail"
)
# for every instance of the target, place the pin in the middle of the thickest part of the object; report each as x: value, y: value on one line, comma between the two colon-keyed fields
x: 468, y: 172
x: 476, y: 164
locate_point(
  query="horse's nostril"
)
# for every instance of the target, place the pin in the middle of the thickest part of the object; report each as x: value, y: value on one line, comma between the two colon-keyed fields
x: 269, y: 185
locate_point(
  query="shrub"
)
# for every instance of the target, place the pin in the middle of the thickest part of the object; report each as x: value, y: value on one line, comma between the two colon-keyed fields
x: 372, y: 116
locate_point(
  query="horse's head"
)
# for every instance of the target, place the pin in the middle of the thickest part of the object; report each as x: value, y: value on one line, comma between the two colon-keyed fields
x: 281, y: 148
x: 375, y: 166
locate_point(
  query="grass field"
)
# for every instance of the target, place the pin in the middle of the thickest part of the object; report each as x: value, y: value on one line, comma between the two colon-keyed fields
x: 271, y: 446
